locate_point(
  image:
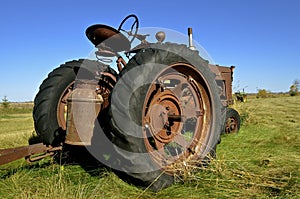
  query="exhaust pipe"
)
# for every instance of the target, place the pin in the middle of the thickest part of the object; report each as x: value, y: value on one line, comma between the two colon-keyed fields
x: 190, y: 33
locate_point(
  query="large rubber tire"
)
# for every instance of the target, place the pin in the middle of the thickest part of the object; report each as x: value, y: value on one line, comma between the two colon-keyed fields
x: 51, y: 98
x: 134, y: 162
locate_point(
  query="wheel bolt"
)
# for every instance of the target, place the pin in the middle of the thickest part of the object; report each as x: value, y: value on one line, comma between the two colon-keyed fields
x: 169, y: 132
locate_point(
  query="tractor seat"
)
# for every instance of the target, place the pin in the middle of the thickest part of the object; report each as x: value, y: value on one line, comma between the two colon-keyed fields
x: 107, y: 36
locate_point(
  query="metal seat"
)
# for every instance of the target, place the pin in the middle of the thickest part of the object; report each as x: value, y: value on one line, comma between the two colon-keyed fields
x: 108, y: 37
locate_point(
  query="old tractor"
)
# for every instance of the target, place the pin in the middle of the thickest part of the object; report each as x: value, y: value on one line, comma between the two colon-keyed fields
x: 241, y: 96
x: 160, y: 116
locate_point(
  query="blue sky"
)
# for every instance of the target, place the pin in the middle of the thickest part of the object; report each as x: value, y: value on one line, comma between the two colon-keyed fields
x: 260, y: 37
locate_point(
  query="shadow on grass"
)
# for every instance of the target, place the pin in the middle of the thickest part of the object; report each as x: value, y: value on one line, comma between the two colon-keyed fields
x: 79, y: 155
x: 14, y: 168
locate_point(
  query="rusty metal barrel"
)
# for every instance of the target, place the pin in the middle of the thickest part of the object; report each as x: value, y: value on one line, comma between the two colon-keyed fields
x: 84, y: 105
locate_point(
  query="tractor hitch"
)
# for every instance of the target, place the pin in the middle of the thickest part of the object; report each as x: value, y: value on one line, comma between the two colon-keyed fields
x: 31, y: 153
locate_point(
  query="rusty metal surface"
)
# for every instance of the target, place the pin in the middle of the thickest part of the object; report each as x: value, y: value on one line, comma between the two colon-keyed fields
x: 224, y: 78
x: 105, y: 85
x: 176, y: 116
x: 62, y: 107
x: 120, y: 63
x: 12, y: 154
x: 84, y: 105
x: 108, y: 38
x: 42, y: 154
x: 231, y: 125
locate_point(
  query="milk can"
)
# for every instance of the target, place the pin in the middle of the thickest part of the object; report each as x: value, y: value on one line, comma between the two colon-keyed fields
x: 84, y: 105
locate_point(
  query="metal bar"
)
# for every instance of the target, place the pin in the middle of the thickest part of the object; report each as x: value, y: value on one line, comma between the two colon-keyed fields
x: 31, y: 159
x: 12, y: 154
x: 120, y: 63
x: 176, y: 118
x: 190, y: 34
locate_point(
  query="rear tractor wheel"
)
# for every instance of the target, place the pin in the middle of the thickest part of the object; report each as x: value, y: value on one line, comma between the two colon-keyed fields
x: 50, y: 103
x: 165, y: 115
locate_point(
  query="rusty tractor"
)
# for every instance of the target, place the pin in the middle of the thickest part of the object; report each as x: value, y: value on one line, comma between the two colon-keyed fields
x: 160, y: 116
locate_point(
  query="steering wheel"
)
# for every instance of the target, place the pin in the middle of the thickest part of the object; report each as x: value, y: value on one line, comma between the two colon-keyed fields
x: 134, y: 27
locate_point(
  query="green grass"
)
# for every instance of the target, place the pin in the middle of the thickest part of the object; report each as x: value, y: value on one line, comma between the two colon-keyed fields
x: 261, y: 161
x: 16, y: 124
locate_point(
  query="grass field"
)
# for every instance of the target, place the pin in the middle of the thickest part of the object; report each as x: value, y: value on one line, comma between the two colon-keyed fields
x: 261, y: 161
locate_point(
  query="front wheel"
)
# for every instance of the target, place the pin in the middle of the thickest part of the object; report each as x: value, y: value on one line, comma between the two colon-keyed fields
x: 232, y: 121
x: 165, y: 115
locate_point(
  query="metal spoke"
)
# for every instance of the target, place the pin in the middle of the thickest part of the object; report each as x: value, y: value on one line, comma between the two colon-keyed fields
x: 179, y: 139
x: 177, y: 91
x: 191, y: 112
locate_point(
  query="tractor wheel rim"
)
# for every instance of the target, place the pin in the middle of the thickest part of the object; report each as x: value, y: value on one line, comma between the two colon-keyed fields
x: 62, y: 106
x: 231, y: 125
x: 176, y: 116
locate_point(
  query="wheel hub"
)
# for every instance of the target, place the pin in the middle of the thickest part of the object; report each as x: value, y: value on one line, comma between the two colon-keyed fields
x: 160, y: 118
x: 231, y: 125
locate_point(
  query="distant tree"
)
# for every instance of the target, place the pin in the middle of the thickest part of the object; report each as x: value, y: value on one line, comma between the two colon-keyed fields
x: 294, y: 88
x: 5, y: 102
x: 262, y: 93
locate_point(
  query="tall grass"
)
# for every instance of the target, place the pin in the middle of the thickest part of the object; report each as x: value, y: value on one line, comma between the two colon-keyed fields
x: 261, y: 161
